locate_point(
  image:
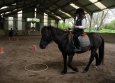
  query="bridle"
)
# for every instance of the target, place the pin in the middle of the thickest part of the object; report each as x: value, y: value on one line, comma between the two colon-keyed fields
x: 49, y: 35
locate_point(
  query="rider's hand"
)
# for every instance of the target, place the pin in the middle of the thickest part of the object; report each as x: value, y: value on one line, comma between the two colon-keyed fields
x: 69, y: 28
x: 76, y: 26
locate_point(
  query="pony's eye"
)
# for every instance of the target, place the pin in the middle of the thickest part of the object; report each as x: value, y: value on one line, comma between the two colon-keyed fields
x: 44, y: 35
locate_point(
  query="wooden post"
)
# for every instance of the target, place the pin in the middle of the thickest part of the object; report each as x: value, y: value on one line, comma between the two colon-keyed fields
x: 90, y: 22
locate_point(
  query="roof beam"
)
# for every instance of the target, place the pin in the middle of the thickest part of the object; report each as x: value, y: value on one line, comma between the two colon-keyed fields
x: 24, y: 7
x: 15, y: 8
x: 7, y: 4
x: 80, y: 5
x: 50, y: 10
x: 49, y: 15
x: 19, y: 9
x: 3, y: 2
x: 61, y: 7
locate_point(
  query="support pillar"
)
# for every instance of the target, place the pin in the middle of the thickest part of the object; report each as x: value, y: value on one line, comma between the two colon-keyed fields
x: 37, y: 26
x: 64, y: 24
x: 56, y: 23
x: 49, y: 21
x: 6, y: 24
x: 1, y: 21
x: 40, y: 24
x: 23, y: 23
x: 90, y: 22
x: 15, y: 23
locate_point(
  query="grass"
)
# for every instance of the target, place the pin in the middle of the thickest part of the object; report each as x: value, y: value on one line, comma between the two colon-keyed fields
x: 101, y: 31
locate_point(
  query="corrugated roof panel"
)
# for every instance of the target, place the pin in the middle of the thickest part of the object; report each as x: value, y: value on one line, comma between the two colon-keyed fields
x: 21, y: 2
x: 1, y: 3
x: 83, y: 2
x: 8, y: 1
x: 53, y: 6
x: 108, y: 3
x: 58, y: 12
x: 62, y: 2
x: 69, y: 8
x: 64, y: 16
x: 11, y: 7
x: 92, y: 8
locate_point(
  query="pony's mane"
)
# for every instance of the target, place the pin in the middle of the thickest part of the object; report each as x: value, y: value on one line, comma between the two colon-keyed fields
x: 58, y: 30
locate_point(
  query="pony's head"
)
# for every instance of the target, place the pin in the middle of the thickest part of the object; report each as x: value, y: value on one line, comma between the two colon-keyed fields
x: 46, y: 36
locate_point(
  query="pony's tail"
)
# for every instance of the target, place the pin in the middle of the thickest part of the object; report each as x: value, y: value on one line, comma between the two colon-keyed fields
x: 101, y: 52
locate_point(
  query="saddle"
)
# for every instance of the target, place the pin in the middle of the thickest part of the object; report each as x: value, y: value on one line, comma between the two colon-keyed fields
x: 83, y: 39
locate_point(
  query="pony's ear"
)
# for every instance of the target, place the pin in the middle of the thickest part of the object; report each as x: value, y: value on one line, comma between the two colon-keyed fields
x: 49, y: 27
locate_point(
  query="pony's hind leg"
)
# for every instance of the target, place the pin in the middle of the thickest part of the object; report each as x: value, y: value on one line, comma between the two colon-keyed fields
x: 93, y: 51
x: 70, y: 65
x: 96, y: 57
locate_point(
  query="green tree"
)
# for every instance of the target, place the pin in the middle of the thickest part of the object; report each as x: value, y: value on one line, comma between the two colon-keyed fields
x: 60, y: 25
x: 110, y: 25
x: 65, y: 25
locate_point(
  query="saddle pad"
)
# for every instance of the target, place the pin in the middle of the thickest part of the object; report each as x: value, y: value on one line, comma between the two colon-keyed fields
x: 84, y: 40
x: 71, y: 39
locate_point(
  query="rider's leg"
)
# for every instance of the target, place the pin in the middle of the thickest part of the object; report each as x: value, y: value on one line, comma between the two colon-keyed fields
x: 77, y: 42
x: 77, y: 45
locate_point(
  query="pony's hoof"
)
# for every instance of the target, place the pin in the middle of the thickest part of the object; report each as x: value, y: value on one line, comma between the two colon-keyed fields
x: 96, y: 67
x: 75, y: 69
x: 63, y: 72
x: 84, y: 71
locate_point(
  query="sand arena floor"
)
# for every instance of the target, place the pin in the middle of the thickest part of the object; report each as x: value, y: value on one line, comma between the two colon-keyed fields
x: 18, y: 54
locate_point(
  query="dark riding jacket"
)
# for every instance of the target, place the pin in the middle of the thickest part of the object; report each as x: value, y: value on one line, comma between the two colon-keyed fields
x: 77, y: 31
x: 79, y: 23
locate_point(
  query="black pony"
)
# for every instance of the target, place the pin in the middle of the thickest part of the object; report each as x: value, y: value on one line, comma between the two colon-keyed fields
x: 60, y: 37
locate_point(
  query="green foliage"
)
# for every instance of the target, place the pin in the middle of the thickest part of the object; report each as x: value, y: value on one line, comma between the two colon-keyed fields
x: 110, y: 25
x: 67, y: 25
x: 61, y: 25
x: 107, y: 31
x: 108, y: 28
x: 101, y: 31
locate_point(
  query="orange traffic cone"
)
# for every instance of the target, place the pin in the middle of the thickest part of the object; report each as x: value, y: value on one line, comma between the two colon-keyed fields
x: 9, y: 38
x: 17, y: 39
x: 1, y: 50
x: 34, y: 47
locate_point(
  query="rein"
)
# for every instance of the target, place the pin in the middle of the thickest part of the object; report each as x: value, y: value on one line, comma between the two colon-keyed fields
x: 64, y: 34
x: 56, y: 32
x: 52, y: 33
x: 49, y: 34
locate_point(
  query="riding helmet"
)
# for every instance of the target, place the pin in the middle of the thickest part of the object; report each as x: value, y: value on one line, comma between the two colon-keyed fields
x: 79, y: 10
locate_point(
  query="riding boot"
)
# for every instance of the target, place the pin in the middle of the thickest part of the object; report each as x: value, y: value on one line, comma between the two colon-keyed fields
x: 77, y: 46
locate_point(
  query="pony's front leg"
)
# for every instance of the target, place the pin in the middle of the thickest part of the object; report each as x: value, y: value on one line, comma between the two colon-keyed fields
x: 69, y: 63
x: 65, y: 64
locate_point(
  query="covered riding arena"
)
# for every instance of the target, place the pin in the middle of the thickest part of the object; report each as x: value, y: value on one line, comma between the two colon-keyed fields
x: 20, y: 63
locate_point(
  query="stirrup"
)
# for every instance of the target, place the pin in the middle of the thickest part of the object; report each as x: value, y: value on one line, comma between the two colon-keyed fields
x: 77, y: 49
